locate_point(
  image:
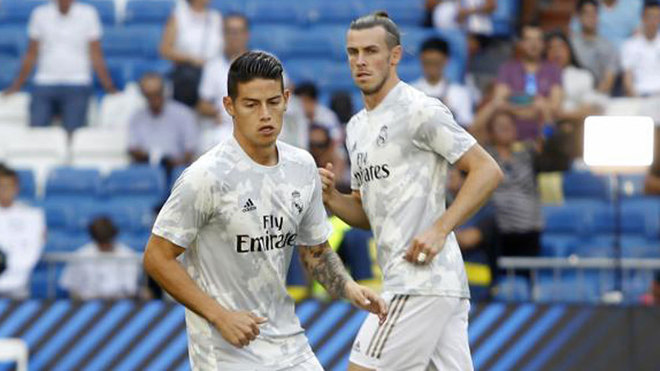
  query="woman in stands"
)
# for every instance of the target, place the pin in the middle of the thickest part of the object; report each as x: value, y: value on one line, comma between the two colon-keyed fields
x: 193, y: 35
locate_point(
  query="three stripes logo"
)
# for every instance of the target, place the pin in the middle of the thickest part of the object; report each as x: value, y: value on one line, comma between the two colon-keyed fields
x: 249, y: 206
x: 378, y: 341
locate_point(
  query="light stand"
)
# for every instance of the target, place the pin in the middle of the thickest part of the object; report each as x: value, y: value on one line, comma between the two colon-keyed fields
x: 616, y: 145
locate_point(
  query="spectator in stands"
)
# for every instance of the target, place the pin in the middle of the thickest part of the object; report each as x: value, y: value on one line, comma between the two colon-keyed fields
x: 531, y: 85
x: 164, y: 132
x: 64, y: 44
x: 324, y: 151
x: 22, y: 233
x: 580, y: 96
x: 213, y: 86
x: 434, y: 55
x: 470, y: 15
x: 652, y: 181
x: 640, y: 56
x: 617, y: 20
x: 516, y: 201
x: 317, y: 113
x: 103, y: 268
x: 594, y: 52
x: 193, y: 36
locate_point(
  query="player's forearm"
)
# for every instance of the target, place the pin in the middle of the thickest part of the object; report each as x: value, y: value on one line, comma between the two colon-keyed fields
x: 171, y: 276
x: 476, y: 190
x: 324, y: 265
x: 348, y: 209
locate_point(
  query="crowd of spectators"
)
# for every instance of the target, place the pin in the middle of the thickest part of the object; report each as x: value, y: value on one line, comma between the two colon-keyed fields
x: 524, y: 99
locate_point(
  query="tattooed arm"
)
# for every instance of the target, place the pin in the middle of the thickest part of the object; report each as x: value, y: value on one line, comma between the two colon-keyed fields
x: 324, y: 265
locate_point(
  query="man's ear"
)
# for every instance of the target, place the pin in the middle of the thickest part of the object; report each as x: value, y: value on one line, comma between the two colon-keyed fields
x: 287, y: 95
x: 396, y: 54
x: 229, y: 105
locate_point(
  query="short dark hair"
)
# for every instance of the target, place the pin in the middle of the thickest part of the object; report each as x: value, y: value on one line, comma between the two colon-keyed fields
x: 582, y: 3
x: 523, y: 26
x: 382, y: 19
x: 435, y: 44
x: 240, y: 16
x: 650, y: 4
x: 253, y: 65
x: 307, y: 89
x: 103, y: 230
x: 6, y: 171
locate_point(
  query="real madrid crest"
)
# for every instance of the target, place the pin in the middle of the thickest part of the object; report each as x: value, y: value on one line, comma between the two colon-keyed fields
x: 296, y: 203
x: 382, y: 136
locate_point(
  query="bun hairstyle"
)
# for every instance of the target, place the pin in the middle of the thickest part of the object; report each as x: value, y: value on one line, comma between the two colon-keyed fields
x: 379, y: 19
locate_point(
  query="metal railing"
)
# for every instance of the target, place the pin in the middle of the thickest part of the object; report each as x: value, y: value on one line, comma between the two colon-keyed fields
x: 513, y: 266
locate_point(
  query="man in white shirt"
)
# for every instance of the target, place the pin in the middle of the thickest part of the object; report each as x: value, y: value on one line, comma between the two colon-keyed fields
x: 315, y: 112
x: 64, y: 43
x: 400, y: 147
x: 234, y: 216
x: 640, y: 56
x: 22, y: 232
x: 217, y: 125
x: 104, y: 268
x: 434, y: 55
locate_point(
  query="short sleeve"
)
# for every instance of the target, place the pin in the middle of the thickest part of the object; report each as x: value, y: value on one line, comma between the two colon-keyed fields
x: 434, y: 129
x: 35, y: 24
x: 315, y: 227
x: 95, y: 30
x: 135, y: 139
x: 187, y: 210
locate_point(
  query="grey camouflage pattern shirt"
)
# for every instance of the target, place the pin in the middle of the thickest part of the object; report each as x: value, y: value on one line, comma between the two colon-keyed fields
x: 239, y: 222
x: 399, y: 155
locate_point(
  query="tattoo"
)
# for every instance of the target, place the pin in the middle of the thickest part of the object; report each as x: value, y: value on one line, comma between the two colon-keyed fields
x: 324, y: 265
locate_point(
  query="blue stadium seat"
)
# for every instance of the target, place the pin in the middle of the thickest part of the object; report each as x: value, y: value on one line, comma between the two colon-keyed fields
x: 601, y: 246
x: 28, y: 186
x: 410, y: 71
x: 141, y: 184
x: 148, y: 11
x: 137, y: 69
x: 308, y: 69
x: 59, y: 214
x: 40, y: 279
x: 335, y: 77
x: 136, y: 241
x: 122, y: 42
x: 512, y: 289
x: 570, y: 288
x: 229, y: 6
x: 504, y: 17
x: 74, y: 184
x: 176, y: 173
x: 636, y: 219
x: 640, y: 247
x: 65, y: 241
x: 404, y: 13
x: 635, y: 285
x: 310, y: 44
x: 13, y: 42
x: 340, y: 12
x: 565, y: 219
x: 117, y: 69
x: 282, y: 12
x: 273, y: 38
x: 585, y: 185
x: 8, y: 72
x: 558, y: 245
x: 17, y: 11
x: 105, y: 9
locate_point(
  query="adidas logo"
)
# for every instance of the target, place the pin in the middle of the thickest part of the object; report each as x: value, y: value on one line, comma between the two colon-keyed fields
x: 249, y: 206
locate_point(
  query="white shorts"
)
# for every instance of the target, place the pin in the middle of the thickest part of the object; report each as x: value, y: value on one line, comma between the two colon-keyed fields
x: 421, y: 333
x: 310, y: 364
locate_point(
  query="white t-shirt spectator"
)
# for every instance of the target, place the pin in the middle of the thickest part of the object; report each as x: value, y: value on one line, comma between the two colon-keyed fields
x: 92, y: 277
x: 454, y: 96
x: 64, y: 39
x: 579, y: 89
x: 445, y: 17
x: 642, y: 58
x: 198, y: 34
x: 22, y: 232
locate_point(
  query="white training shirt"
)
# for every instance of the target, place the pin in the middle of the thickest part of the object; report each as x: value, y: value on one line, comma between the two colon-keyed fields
x: 239, y: 222
x: 22, y: 232
x: 64, y: 56
x: 400, y: 152
x: 107, y: 278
